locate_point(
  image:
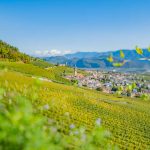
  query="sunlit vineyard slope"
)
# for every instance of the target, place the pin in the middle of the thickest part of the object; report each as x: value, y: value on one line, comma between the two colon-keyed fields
x: 128, y: 120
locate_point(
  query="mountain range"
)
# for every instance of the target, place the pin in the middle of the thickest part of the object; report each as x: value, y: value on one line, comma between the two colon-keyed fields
x: 99, y: 59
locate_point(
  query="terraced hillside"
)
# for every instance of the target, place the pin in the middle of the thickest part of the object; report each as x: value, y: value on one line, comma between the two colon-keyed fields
x: 35, y: 69
x: 54, y: 73
x: 127, y: 119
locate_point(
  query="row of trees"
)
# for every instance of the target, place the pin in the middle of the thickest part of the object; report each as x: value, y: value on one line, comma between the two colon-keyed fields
x: 12, y: 53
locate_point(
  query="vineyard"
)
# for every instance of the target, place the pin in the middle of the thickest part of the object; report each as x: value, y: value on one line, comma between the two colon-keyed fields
x: 33, y: 70
x: 38, y: 69
x: 128, y: 120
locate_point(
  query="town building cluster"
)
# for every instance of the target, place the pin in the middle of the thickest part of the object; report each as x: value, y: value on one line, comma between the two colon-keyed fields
x: 128, y: 84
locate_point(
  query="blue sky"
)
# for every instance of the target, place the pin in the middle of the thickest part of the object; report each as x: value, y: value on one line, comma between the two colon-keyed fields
x: 62, y: 26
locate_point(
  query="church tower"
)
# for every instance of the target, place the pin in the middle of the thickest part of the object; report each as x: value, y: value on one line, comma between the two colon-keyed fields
x: 75, y: 70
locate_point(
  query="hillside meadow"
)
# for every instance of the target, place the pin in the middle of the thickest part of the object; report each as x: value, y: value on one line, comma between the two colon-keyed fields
x: 127, y: 120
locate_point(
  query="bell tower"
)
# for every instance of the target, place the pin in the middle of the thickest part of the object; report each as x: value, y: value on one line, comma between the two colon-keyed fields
x: 75, y: 70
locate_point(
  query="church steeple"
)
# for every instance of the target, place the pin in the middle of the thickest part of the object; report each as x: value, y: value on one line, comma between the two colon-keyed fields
x: 75, y: 70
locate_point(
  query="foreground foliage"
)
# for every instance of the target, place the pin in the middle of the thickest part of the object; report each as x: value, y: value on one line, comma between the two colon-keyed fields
x: 23, y: 127
x: 128, y: 120
x: 120, y: 61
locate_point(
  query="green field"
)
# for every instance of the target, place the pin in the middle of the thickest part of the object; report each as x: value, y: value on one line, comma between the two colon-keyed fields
x: 54, y: 73
x: 127, y: 119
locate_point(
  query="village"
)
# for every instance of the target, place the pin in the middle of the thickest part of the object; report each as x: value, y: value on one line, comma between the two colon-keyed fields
x: 126, y: 84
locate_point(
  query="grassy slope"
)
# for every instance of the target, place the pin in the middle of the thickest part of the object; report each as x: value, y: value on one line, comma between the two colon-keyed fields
x: 128, y: 120
x: 32, y: 70
x: 38, y: 69
x: 42, y: 64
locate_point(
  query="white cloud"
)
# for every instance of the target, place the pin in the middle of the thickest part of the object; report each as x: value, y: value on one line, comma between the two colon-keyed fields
x: 38, y: 52
x: 53, y: 52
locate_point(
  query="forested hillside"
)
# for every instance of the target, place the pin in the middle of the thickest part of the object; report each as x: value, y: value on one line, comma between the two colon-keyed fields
x: 12, y: 53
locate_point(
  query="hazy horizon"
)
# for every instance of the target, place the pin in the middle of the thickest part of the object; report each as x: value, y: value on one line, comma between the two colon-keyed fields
x: 59, y: 27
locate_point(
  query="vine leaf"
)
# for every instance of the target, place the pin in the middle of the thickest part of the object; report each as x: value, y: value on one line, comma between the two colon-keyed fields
x: 110, y: 59
x: 139, y: 50
x: 118, y: 64
x: 149, y: 48
x: 122, y: 54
